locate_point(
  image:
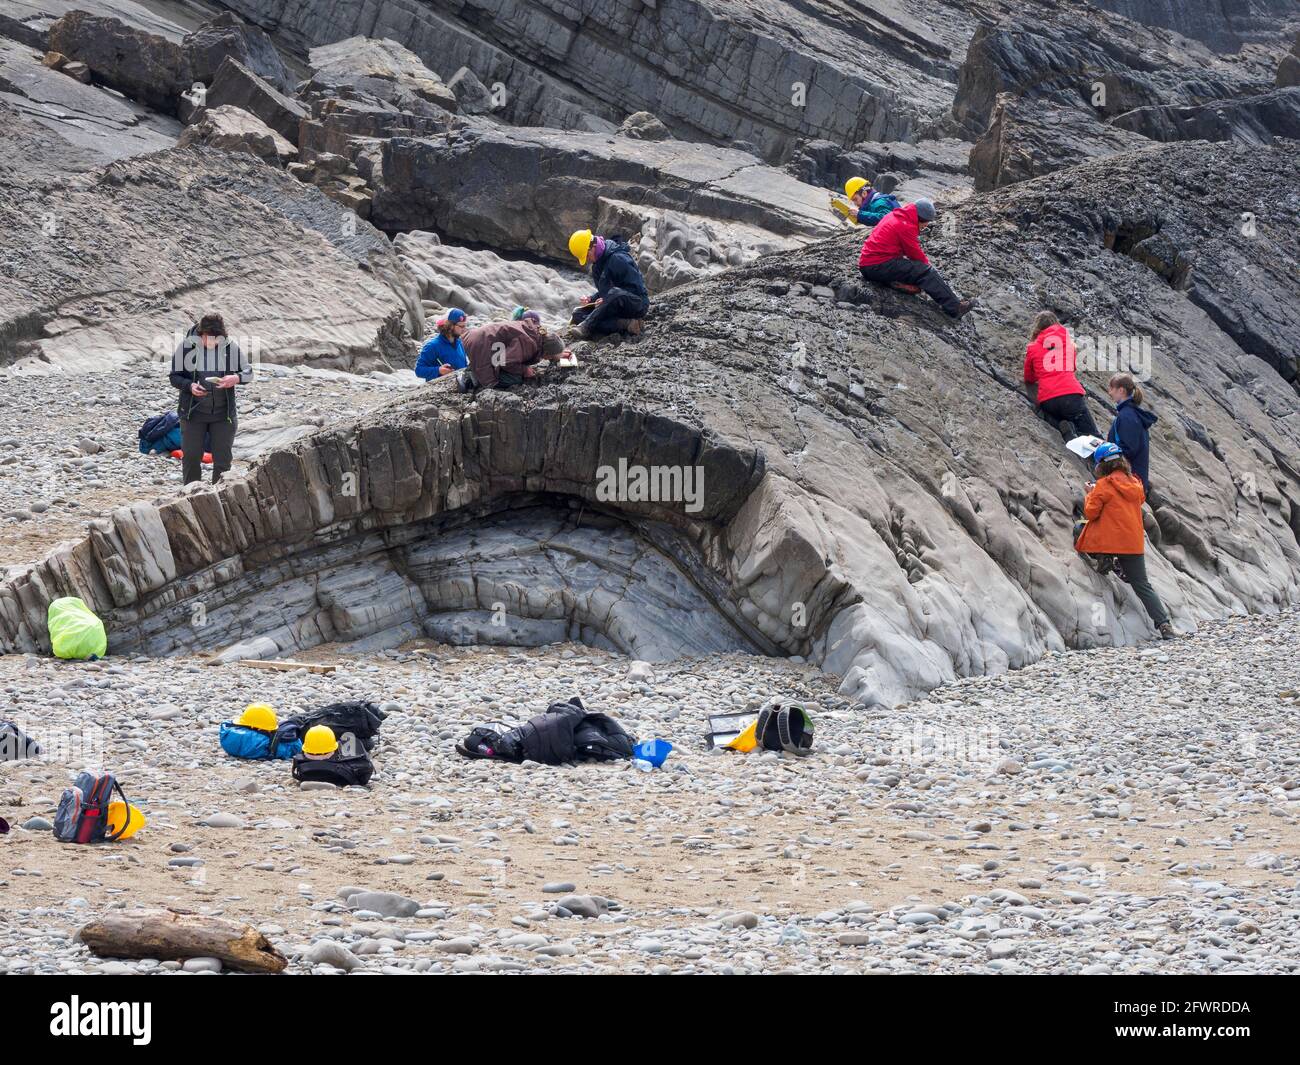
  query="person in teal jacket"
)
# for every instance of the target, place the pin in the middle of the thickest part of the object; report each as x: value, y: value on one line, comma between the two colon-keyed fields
x: 443, y: 353
x: 872, y: 205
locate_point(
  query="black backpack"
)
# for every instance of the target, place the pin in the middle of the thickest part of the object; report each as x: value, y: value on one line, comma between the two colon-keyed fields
x: 354, y: 771
x: 785, y: 727
x: 15, y: 744
x: 362, y: 719
x: 82, y: 816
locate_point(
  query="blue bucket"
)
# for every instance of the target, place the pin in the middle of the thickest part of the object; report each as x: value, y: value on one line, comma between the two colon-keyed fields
x: 652, y: 751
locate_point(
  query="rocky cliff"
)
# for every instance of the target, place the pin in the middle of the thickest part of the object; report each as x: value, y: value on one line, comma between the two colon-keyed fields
x: 876, y: 493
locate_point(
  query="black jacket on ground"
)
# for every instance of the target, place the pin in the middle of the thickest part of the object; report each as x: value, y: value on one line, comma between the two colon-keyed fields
x: 565, y: 733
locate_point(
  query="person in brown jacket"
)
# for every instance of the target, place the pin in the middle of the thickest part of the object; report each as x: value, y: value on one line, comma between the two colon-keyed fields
x: 1113, y: 526
x: 502, y: 354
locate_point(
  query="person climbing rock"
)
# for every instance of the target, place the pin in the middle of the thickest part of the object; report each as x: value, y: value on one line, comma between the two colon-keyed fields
x: 443, y: 353
x: 206, y: 368
x: 620, y: 301
x: 871, y: 205
x: 1131, y: 429
x: 1050, y: 368
x: 502, y: 354
x: 892, y: 255
x: 1112, y: 511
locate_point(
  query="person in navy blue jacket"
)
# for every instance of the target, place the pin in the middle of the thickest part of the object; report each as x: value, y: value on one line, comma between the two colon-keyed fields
x: 443, y: 353
x: 620, y: 300
x: 1131, y: 429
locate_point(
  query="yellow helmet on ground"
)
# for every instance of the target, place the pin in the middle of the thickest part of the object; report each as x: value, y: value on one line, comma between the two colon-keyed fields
x: 320, y: 740
x: 580, y: 244
x: 258, y: 716
x: 855, y: 185
x: 119, y: 814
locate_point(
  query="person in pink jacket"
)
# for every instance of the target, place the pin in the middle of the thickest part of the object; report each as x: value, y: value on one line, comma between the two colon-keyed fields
x: 1050, y: 368
x: 892, y: 255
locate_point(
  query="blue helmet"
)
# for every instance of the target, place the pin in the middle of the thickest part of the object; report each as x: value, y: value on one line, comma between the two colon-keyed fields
x: 1106, y: 451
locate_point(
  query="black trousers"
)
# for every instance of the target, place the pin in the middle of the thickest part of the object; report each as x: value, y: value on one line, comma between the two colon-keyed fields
x: 619, y: 303
x: 194, y: 431
x: 912, y: 272
x: 1134, y: 568
x: 1070, y: 409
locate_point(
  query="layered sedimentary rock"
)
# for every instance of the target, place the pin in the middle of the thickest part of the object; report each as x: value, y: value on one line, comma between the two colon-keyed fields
x: 876, y: 494
x: 528, y: 189
x: 1044, y: 94
x: 104, y: 267
x: 763, y: 73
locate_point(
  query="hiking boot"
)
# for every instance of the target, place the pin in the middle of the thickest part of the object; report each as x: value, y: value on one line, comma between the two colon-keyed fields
x: 578, y: 332
x: 1167, y: 632
x: 630, y: 326
x: 965, y: 307
x: 1104, y: 563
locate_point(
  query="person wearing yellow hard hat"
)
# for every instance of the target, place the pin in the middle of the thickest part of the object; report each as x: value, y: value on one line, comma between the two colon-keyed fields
x: 124, y: 820
x: 319, y: 743
x: 256, y: 734
x: 865, y: 205
x: 621, y: 300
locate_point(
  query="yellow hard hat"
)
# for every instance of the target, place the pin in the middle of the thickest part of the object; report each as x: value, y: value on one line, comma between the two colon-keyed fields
x: 855, y: 185
x: 258, y: 716
x: 120, y: 813
x: 319, y: 740
x: 580, y: 244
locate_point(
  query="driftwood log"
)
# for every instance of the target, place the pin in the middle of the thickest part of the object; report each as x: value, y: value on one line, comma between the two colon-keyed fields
x: 173, y: 935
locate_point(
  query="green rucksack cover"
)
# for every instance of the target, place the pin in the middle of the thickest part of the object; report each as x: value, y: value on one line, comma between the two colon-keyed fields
x: 75, y: 632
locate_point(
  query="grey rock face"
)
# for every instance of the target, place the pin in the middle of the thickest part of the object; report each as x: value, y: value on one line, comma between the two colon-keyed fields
x: 379, y: 68
x: 486, y: 284
x: 233, y: 129
x: 560, y: 182
x: 790, y: 71
x: 226, y: 35
x: 142, y: 65
x: 235, y: 84
x: 1043, y: 95
x: 1252, y: 119
x: 300, y: 253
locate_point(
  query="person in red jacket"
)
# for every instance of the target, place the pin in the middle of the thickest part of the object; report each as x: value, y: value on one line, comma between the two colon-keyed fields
x: 1049, y: 365
x: 892, y: 255
x: 1113, y: 526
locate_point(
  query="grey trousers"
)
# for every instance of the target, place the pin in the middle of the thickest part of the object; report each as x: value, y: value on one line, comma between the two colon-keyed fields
x: 1134, y: 568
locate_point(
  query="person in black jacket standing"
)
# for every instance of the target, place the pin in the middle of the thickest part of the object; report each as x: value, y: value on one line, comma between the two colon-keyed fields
x: 206, y: 368
x: 620, y: 300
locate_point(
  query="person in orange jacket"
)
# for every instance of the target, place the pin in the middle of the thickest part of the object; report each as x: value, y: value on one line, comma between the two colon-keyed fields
x: 1113, y: 526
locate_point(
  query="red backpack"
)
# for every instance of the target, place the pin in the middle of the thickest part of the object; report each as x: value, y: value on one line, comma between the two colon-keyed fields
x: 83, y: 810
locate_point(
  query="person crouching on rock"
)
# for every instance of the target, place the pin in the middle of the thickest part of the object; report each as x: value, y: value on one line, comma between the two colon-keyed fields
x: 503, y: 354
x: 871, y: 205
x: 1113, y: 526
x: 1050, y: 367
x: 206, y: 367
x: 443, y: 353
x: 892, y: 255
x: 620, y: 300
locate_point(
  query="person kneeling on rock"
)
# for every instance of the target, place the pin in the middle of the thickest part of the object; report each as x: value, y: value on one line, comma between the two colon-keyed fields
x: 892, y: 255
x: 1113, y: 526
x: 620, y: 300
x: 206, y: 367
x: 502, y: 354
x: 443, y: 353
